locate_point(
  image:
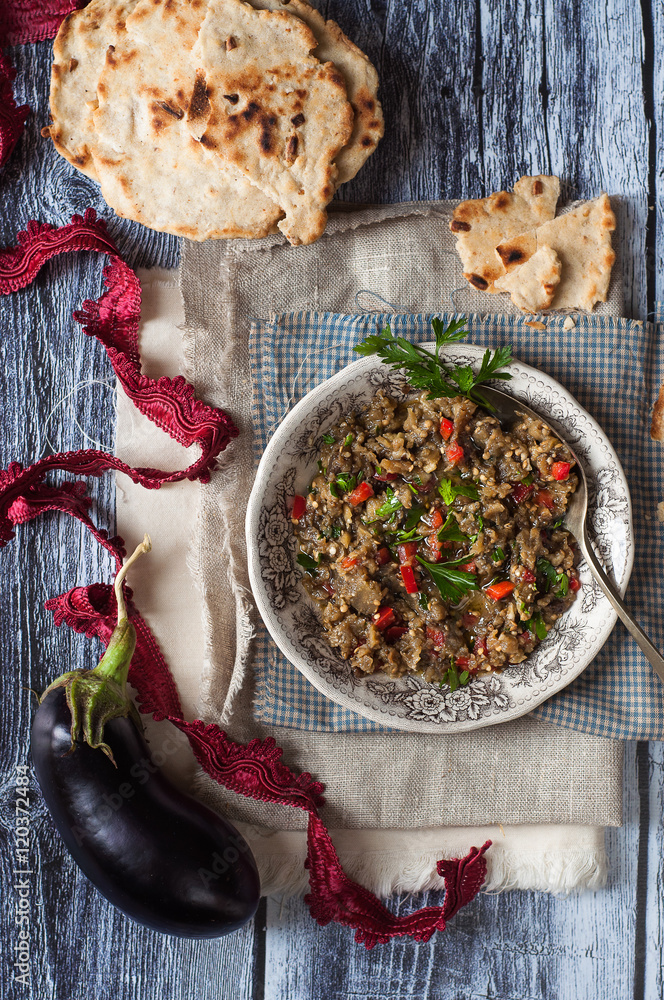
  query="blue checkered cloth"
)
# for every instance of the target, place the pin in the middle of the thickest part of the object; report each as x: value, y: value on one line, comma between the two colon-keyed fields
x: 614, y: 368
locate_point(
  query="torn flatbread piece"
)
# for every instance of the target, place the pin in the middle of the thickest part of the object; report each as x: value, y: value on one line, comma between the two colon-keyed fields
x: 482, y: 223
x: 361, y: 83
x: 657, y: 422
x: 582, y: 240
x: 532, y: 286
x: 274, y: 111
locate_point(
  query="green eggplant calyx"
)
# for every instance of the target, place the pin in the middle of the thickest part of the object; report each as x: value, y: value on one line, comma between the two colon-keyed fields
x: 96, y: 696
x: 94, y: 699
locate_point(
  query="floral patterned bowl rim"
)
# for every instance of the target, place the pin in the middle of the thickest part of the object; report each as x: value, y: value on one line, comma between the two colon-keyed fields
x: 287, y: 467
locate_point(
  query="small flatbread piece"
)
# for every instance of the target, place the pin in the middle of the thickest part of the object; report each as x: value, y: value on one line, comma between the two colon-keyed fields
x: 79, y: 53
x: 361, y: 83
x: 482, y: 223
x: 657, y: 422
x: 273, y: 111
x: 582, y: 240
x: 533, y: 285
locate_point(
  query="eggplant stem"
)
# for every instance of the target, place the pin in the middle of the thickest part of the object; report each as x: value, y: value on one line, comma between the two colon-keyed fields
x: 144, y: 546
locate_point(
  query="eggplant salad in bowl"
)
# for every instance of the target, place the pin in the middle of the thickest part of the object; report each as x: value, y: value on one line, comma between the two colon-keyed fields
x: 430, y: 540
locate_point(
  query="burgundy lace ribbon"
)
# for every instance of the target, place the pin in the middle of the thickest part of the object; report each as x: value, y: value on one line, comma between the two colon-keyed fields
x: 255, y: 770
x: 12, y: 118
x: 113, y: 320
x: 23, y: 21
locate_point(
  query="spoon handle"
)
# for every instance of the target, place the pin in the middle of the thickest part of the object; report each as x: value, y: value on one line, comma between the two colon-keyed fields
x: 634, y: 629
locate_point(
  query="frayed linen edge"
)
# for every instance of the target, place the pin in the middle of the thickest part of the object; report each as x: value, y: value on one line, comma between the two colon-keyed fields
x: 556, y: 872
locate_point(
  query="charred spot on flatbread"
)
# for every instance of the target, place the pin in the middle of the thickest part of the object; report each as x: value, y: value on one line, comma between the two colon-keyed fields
x: 481, y: 224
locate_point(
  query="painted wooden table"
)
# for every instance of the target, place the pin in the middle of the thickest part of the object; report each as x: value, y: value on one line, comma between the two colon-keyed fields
x: 475, y: 94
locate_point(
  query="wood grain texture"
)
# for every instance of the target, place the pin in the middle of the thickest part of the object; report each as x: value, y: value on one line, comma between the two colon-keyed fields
x: 474, y: 94
x: 52, y: 377
x: 521, y: 945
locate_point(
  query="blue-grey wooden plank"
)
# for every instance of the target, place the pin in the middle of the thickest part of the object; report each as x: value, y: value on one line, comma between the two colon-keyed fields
x: 80, y: 947
x: 513, y: 946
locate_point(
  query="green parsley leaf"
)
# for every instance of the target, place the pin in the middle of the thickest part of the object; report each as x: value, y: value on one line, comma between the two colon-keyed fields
x: 329, y: 438
x: 391, y: 506
x: 528, y: 480
x: 346, y: 481
x: 423, y: 601
x: 537, y: 626
x: 452, y: 583
x: 307, y: 563
x: 348, y: 440
x: 464, y: 677
x: 334, y: 490
x: 449, y: 491
x: 426, y: 370
x: 553, y: 577
x: 453, y: 676
x: 335, y: 531
x: 321, y: 469
x: 498, y: 555
x: 450, y: 531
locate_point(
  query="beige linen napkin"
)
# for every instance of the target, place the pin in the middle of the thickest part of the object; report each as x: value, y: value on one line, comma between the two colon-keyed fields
x: 407, y: 799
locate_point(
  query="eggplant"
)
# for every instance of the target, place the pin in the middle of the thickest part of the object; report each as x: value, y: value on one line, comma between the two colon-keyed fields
x: 161, y: 857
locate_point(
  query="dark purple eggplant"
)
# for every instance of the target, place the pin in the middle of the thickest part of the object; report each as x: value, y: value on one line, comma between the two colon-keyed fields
x: 163, y: 858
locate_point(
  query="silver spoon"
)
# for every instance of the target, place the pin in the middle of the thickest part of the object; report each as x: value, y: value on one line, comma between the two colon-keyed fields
x: 507, y: 410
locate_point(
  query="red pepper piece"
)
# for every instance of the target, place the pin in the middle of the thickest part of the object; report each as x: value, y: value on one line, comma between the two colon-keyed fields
x: 385, y: 477
x: 481, y: 646
x: 527, y: 576
x: 498, y: 591
x: 409, y: 581
x: 348, y: 562
x: 468, y: 619
x: 299, y: 507
x: 329, y: 588
x: 423, y: 487
x: 560, y: 470
x: 437, y: 636
x: 462, y: 661
x: 436, y: 519
x: 454, y: 453
x: 383, y: 556
x: 574, y: 584
x: 407, y: 552
x: 521, y: 492
x: 469, y: 567
x: 360, y: 494
x: 384, y: 617
x: 395, y: 632
x: 446, y: 428
x: 544, y: 498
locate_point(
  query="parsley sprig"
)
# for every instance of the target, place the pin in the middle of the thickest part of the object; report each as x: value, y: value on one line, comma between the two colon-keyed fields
x: 452, y: 583
x: 426, y: 369
x: 553, y: 577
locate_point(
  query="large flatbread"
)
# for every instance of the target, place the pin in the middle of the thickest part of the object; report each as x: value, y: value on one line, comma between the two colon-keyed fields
x: 79, y: 52
x: 482, y: 223
x: 582, y: 240
x: 272, y: 110
x: 361, y: 83
x: 149, y: 166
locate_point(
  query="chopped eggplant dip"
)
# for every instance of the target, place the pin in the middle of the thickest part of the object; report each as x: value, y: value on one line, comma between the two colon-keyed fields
x: 433, y: 540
